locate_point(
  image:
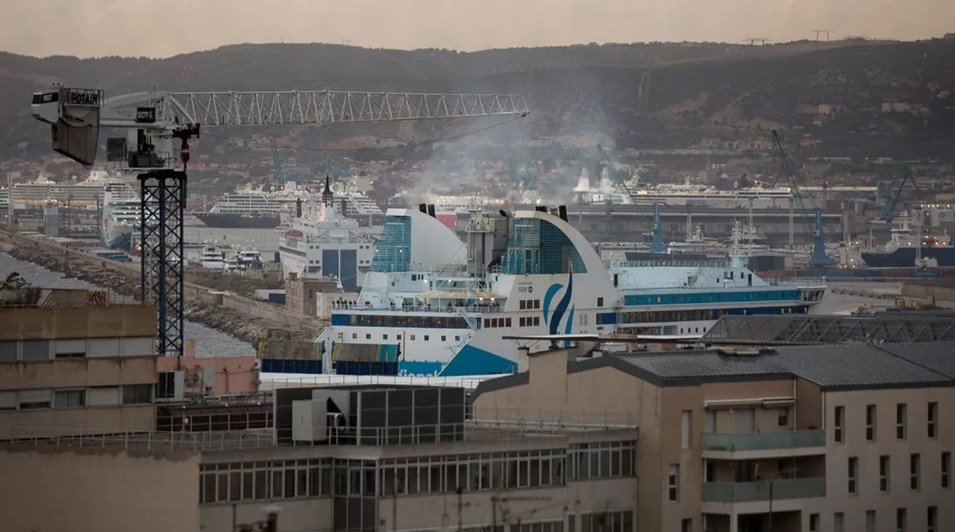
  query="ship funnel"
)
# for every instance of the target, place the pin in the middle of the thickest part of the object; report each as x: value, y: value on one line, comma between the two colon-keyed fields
x: 540, y: 208
x: 423, y: 208
x: 562, y: 212
x: 298, y: 208
x: 431, y: 211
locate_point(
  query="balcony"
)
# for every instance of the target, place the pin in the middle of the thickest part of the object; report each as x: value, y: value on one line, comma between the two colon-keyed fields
x: 763, y: 444
x: 764, y: 490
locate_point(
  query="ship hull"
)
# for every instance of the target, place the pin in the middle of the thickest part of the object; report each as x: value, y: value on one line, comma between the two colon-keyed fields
x: 225, y: 221
x: 905, y: 257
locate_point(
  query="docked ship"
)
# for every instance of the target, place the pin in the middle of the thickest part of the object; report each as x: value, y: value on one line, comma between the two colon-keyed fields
x: 908, y: 248
x: 693, y: 195
x: 433, y: 305
x: 120, y: 216
x: 259, y: 209
x: 212, y: 257
x: 324, y: 242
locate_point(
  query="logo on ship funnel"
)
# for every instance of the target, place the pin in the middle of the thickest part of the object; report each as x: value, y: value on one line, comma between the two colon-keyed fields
x: 553, y: 319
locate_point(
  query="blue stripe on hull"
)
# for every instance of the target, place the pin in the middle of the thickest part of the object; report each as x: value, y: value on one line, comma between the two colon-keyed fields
x: 471, y: 360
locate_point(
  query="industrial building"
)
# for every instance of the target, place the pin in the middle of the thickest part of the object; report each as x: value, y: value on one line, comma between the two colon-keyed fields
x: 71, y: 362
x: 797, y: 438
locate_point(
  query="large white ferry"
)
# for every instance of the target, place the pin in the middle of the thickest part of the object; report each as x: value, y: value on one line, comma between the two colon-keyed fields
x: 433, y: 305
x: 324, y: 243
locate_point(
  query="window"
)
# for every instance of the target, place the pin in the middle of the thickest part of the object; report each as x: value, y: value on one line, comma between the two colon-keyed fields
x: 853, y: 473
x: 686, y: 418
x: 427, y: 337
x: 900, y: 415
x: 137, y: 394
x: 914, y: 466
x: 783, y: 418
x: 931, y: 519
x: 884, y: 474
x: 838, y: 522
x: 600, y: 301
x: 932, y: 420
x: 837, y: 422
x: 870, y: 423
x: 946, y: 469
x: 870, y: 521
x: 167, y: 385
x: 900, y: 520
x: 686, y: 525
x: 69, y: 398
x: 8, y: 351
x: 813, y: 522
x: 673, y: 483
x: 33, y: 399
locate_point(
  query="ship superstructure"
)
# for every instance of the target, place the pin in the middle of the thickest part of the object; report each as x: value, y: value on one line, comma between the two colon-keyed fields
x: 324, y: 243
x: 434, y: 305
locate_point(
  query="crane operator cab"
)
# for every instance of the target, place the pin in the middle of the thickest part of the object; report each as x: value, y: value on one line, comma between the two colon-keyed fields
x: 73, y: 115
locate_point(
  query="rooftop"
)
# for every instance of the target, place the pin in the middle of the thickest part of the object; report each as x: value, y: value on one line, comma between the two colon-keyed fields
x: 807, y: 330
x: 831, y: 366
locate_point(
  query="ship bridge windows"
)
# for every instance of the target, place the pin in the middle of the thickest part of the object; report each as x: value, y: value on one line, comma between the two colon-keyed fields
x: 537, y: 246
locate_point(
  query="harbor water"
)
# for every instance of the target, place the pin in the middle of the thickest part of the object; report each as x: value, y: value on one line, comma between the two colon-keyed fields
x: 209, y: 342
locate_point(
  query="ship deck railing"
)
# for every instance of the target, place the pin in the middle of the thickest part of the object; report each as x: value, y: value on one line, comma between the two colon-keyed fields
x: 712, y: 263
x: 452, y: 309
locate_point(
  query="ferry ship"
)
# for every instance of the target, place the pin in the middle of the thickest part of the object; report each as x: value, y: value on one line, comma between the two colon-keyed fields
x: 433, y: 305
x: 688, y: 194
x: 325, y: 243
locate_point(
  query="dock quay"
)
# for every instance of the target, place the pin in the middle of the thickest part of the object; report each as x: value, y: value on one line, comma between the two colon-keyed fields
x: 246, y: 318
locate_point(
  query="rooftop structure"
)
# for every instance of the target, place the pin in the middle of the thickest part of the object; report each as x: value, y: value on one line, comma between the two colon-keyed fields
x: 818, y: 329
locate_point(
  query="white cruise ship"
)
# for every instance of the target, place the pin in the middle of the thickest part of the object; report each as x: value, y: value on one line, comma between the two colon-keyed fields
x: 692, y: 195
x: 325, y: 243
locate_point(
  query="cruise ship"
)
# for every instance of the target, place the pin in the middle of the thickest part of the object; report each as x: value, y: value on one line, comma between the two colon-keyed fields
x: 692, y: 195
x: 325, y: 243
x: 120, y: 216
x: 434, y: 305
x: 251, y: 208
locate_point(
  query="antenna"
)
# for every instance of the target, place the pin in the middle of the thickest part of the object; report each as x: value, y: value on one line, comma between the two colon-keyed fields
x: 821, y: 32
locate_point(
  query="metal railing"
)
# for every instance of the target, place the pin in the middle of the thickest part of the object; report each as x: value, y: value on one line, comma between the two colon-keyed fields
x: 52, y: 436
x: 764, y: 440
x: 764, y: 490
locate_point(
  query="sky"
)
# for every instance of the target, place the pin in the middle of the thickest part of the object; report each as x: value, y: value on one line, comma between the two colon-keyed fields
x: 161, y: 28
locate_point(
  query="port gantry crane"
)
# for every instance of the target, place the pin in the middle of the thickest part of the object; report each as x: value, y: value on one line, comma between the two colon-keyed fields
x: 887, y: 213
x: 158, y: 127
x: 818, y: 258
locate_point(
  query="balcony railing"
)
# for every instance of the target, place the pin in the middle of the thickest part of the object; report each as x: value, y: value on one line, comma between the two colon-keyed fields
x: 763, y: 441
x: 764, y: 490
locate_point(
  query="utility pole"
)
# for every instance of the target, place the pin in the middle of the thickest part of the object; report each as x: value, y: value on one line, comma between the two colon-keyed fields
x: 493, y: 513
x: 770, y: 505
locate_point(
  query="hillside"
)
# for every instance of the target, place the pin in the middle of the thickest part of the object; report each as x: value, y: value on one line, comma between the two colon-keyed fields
x: 634, y: 96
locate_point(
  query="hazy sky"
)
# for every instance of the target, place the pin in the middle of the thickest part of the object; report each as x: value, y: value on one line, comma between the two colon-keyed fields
x: 162, y: 28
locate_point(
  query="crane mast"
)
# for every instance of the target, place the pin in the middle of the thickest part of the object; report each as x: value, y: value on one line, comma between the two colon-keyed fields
x: 159, y: 125
x: 818, y: 257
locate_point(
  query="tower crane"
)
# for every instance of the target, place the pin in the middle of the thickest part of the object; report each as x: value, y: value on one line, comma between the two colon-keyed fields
x: 818, y: 257
x: 158, y: 126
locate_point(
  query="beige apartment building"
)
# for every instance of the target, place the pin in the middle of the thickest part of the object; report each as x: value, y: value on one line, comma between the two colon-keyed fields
x: 841, y: 438
x: 71, y: 363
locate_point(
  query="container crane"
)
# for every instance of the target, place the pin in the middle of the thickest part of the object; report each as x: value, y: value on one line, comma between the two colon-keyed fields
x: 158, y: 126
x: 818, y: 257
x: 887, y: 214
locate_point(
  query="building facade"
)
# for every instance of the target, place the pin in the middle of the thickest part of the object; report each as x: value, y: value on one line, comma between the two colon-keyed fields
x: 840, y: 438
x: 70, y: 363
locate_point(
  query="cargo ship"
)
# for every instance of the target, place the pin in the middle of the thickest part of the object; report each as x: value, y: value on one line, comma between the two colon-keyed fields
x: 907, y: 249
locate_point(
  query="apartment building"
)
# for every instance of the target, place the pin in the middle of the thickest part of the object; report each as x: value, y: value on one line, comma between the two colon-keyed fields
x: 72, y: 363
x: 842, y: 438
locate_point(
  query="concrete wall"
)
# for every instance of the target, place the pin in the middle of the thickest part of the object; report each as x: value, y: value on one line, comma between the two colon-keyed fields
x: 60, y: 490
x: 78, y: 322
x: 233, y: 374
